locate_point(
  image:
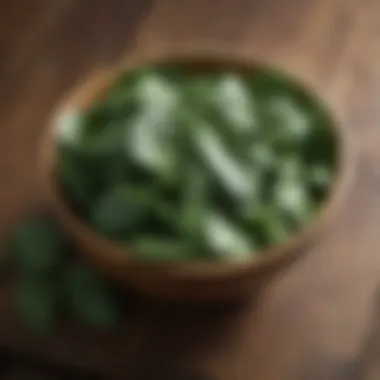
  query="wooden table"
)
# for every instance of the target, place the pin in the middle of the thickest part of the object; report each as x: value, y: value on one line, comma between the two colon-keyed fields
x: 319, y: 319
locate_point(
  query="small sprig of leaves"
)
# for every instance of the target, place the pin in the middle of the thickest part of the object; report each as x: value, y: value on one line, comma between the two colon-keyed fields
x: 52, y: 283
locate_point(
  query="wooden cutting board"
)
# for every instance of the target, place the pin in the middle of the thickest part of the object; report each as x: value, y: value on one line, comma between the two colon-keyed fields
x: 319, y: 319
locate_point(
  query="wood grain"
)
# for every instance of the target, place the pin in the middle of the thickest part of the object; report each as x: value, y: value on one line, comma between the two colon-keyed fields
x: 319, y: 319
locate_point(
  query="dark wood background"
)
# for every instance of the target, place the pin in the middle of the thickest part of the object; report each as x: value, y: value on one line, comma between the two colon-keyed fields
x: 320, y: 319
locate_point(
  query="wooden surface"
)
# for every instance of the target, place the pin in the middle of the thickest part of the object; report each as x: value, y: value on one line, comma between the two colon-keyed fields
x: 320, y: 319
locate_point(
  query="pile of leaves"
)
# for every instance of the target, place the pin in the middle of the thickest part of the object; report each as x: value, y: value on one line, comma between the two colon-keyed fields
x: 179, y: 165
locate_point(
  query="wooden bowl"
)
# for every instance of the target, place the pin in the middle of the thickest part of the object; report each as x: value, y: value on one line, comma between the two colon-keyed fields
x: 185, y: 280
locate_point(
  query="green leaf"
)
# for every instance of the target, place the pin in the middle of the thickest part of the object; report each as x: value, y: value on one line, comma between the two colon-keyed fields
x: 319, y: 147
x: 235, y: 104
x: 165, y: 212
x: 158, y: 248
x: 114, y: 108
x: 70, y: 127
x: 87, y: 170
x: 262, y: 157
x: 37, y: 246
x: 121, y: 210
x: 225, y: 239
x: 235, y: 176
x: 198, y: 91
x: 320, y: 176
x: 150, y: 145
x: 107, y: 141
x: 174, y: 74
x: 293, y: 198
x: 121, y: 98
x: 36, y: 303
x: 196, y: 195
x: 88, y: 298
x: 274, y: 225
x: 271, y: 82
x: 156, y: 91
x: 77, y: 188
x: 152, y: 133
x: 296, y: 124
x: 107, y: 116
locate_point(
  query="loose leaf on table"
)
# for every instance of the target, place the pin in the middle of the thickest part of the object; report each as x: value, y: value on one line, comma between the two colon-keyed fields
x: 37, y: 303
x: 37, y: 246
x: 89, y: 299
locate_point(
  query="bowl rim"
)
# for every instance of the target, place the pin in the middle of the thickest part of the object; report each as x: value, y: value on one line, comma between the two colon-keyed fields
x: 96, y: 82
